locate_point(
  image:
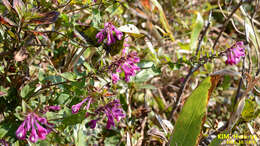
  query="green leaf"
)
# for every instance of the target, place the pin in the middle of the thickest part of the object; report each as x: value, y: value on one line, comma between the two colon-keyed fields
x: 145, y: 86
x: 115, y: 48
x: 196, y: 31
x: 81, y: 138
x: 8, y: 128
x: 188, y: 125
x: 69, y: 76
x: 25, y: 91
x: 145, y: 75
x: 41, y: 75
x: 113, y: 140
x: 62, y: 98
x: 226, y: 83
x: 96, y: 17
x: 145, y: 64
x: 115, y: 9
x: 87, y: 34
x: 249, y: 110
x: 72, y: 119
x: 123, y: 102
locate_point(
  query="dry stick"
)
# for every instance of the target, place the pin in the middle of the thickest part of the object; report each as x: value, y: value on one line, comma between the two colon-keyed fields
x: 193, y: 69
x: 140, y: 140
x: 203, y: 33
x: 240, y: 82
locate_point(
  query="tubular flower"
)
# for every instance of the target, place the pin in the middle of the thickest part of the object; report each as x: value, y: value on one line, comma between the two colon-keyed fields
x: 75, y: 108
x: 51, y: 108
x: 92, y: 124
x: 235, y: 53
x: 127, y: 64
x: 31, y: 122
x: 115, y: 78
x: 108, y: 32
x: 54, y: 108
x: 113, y: 111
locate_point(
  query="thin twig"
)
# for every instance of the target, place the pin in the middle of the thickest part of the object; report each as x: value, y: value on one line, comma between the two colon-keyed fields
x: 203, y: 33
x: 226, y: 23
x: 240, y: 82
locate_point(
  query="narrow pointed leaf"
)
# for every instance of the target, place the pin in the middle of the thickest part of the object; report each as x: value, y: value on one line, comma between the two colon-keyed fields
x: 196, y: 31
x: 163, y: 19
x: 19, y: 7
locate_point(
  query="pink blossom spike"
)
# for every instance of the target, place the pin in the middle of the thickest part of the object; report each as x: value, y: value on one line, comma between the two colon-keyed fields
x: 235, y: 53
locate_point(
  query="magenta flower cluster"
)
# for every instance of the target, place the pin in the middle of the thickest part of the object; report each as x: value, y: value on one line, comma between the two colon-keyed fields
x: 33, y: 124
x: 127, y: 64
x: 51, y: 108
x: 112, y: 111
x: 75, y: 108
x: 108, y: 33
x: 235, y: 53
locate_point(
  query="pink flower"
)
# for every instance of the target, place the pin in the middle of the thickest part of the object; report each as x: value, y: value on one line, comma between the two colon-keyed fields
x: 108, y: 32
x: 115, y: 78
x: 21, y: 131
x: 235, y: 53
x: 37, y: 130
x: 51, y: 108
x: 127, y: 64
x: 33, y: 136
x: 92, y: 124
x: 54, y: 108
x: 113, y: 111
x: 75, y: 108
x: 110, y: 121
x: 42, y: 132
x: 42, y: 120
